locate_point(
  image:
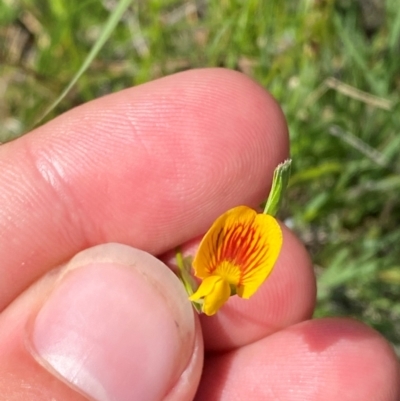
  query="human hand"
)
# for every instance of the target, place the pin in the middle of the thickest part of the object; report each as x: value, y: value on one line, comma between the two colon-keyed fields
x: 152, y: 167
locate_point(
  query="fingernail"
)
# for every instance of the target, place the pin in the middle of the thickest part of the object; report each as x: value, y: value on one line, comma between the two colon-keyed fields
x: 117, y: 326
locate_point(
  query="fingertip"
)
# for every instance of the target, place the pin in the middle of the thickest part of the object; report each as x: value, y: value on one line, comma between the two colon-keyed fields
x: 322, y: 359
x: 349, y: 355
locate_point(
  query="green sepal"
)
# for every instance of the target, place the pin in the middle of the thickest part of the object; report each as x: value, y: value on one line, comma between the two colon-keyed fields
x: 188, y: 281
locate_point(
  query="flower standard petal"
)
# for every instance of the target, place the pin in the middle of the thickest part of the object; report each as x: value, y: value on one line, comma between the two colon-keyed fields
x: 222, y: 240
x: 241, y: 247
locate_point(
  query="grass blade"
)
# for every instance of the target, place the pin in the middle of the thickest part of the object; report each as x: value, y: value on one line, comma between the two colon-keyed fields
x: 108, y: 29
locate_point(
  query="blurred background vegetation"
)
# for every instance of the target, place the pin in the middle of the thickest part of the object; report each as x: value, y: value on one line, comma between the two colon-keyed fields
x: 334, y: 66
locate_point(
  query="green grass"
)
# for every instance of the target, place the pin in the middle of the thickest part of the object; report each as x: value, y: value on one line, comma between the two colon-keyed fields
x: 343, y: 200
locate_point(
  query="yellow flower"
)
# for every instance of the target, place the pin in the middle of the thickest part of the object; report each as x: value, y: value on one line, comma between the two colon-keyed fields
x: 235, y: 256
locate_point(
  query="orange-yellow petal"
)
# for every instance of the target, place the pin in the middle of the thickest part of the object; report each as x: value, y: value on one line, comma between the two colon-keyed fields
x: 221, y: 239
x: 265, y: 251
x: 241, y: 247
x: 214, y: 291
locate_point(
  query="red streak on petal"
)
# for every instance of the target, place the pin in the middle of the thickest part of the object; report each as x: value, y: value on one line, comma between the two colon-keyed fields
x: 238, y: 244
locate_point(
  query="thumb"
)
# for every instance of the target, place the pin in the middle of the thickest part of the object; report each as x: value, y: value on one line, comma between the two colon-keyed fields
x: 113, y: 324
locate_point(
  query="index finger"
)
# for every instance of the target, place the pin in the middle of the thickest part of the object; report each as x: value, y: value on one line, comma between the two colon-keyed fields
x: 150, y: 167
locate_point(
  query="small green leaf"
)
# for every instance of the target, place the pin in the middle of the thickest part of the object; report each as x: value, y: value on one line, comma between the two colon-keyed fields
x: 279, y: 184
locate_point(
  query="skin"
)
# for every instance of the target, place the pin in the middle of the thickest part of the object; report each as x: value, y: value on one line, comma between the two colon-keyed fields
x: 152, y: 167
